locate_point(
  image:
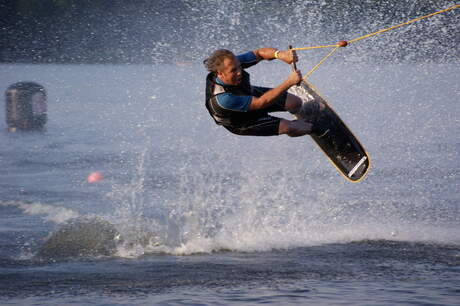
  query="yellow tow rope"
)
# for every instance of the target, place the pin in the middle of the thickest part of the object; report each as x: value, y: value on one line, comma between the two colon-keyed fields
x: 344, y: 43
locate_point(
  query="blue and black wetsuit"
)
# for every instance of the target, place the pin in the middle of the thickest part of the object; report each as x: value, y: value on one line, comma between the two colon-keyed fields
x: 229, y: 105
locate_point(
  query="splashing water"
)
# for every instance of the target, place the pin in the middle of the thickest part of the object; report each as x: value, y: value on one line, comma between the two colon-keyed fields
x: 176, y: 183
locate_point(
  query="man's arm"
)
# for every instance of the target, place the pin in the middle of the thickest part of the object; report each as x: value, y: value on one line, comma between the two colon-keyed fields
x: 286, y: 56
x: 267, y: 98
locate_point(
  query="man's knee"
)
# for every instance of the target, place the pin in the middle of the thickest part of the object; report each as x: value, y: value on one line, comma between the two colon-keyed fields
x: 293, y: 103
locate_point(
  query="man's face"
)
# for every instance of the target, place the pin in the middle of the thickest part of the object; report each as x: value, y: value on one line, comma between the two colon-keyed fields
x: 230, y: 73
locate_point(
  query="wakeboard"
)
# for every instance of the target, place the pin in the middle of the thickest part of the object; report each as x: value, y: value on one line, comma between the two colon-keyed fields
x: 335, y: 139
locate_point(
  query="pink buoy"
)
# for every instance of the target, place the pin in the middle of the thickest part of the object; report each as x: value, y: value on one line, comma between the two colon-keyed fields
x: 95, y: 177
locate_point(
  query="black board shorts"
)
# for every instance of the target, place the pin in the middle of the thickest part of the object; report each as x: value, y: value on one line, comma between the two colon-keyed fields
x: 262, y: 124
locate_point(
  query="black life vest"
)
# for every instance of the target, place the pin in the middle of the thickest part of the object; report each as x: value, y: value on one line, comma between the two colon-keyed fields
x: 223, y: 116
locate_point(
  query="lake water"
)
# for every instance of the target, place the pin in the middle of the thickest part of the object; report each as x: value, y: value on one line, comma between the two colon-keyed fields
x: 194, y: 215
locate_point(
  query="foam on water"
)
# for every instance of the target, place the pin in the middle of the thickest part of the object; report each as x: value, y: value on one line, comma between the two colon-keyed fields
x: 52, y: 213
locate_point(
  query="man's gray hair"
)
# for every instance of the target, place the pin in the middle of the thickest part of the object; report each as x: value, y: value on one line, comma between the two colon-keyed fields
x: 214, y: 62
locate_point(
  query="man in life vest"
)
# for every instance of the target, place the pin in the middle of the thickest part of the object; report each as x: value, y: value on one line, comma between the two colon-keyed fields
x: 244, y: 109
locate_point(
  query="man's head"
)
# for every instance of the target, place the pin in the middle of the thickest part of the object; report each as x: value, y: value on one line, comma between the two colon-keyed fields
x: 224, y: 64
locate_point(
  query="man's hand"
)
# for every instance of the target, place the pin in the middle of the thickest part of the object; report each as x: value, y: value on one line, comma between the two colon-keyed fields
x: 288, y: 56
x: 294, y: 78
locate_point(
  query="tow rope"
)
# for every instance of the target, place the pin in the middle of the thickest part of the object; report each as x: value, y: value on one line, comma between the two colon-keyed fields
x: 344, y: 43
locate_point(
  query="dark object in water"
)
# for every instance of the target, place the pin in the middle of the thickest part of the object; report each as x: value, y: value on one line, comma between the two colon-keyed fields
x: 26, y: 107
x: 82, y: 237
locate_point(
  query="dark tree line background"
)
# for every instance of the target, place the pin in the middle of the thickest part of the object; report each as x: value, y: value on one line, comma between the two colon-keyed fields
x: 146, y: 31
x: 82, y: 30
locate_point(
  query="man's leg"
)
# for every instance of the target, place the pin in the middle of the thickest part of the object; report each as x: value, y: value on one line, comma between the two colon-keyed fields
x: 294, y: 128
x: 271, y: 126
x: 265, y: 125
x: 308, y: 112
x: 294, y: 105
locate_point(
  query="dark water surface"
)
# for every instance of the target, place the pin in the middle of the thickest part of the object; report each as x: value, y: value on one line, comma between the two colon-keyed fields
x: 366, y: 272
